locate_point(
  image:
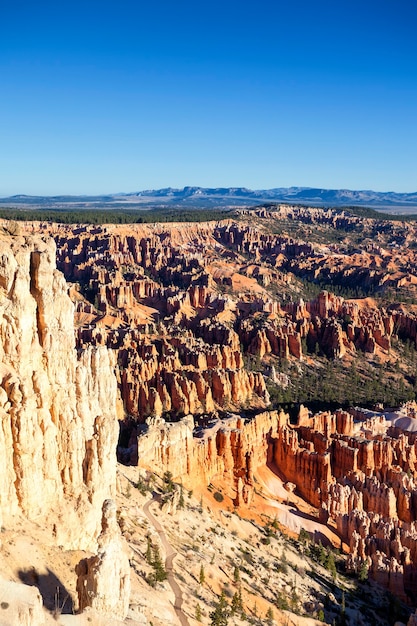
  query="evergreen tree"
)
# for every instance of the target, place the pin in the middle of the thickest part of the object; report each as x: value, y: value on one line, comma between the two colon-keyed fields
x: 202, y: 578
x: 237, y: 604
x: 331, y: 565
x: 363, y: 572
x: 220, y: 615
x: 169, y: 485
x: 181, y: 502
x: 148, y: 555
x: 236, y: 574
x: 160, y: 573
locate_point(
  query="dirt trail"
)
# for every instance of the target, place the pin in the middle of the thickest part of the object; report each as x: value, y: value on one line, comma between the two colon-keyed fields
x: 170, y: 556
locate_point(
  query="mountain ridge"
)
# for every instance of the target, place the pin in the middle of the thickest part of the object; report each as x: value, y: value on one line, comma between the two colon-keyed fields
x: 199, y: 197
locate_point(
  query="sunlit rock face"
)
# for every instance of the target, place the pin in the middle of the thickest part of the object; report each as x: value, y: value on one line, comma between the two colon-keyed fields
x: 58, y: 405
x: 103, y: 581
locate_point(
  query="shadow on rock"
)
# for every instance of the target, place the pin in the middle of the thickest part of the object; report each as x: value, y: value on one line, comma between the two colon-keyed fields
x: 55, y: 596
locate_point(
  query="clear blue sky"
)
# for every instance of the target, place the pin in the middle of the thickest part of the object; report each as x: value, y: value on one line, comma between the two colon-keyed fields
x: 105, y: 96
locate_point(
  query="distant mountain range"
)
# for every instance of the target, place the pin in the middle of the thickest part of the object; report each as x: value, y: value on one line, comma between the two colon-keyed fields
x: 222, y: 197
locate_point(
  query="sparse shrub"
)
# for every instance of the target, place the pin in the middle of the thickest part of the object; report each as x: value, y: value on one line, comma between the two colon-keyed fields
x: 270, y: 616
x: 303, y: 536
x: 198, y: 613
x: 363, y: 572
x: 281, y: 601
x: 218, y: 496
x: 4, y: 605
x: 169, y: 485
x: 141, y: 486
x: 181, y: 502
x: 236, y: 574
x: 237, y: 604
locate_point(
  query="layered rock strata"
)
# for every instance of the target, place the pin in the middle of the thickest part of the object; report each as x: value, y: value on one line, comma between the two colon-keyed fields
x: 360, y: 473
x: 352, y: 466
x: 57, y: 404
x: 232, y: 448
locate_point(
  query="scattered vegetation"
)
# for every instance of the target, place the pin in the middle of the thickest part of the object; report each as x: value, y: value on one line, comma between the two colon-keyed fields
x: 153, y: 558
x: 329, y: 384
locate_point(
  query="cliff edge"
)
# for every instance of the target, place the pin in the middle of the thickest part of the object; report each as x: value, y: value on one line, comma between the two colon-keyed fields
x: 57, y: 405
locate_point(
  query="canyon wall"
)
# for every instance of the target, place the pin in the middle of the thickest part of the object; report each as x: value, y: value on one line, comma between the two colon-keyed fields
x: 231, y: 448
x: 353, y: 467
x: 58, y: 405
x: 360, y: 472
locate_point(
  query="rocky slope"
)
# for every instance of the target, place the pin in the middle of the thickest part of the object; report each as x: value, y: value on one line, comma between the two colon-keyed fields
x: 356, y: 469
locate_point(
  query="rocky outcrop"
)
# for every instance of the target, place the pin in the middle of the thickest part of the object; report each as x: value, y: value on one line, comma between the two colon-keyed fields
x: 103, y: 581
x: 58, y: 407
x: 361, y: 477
x: 232, y: 448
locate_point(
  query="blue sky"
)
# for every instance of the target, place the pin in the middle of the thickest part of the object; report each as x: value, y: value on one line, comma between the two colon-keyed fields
x: 100, y: 97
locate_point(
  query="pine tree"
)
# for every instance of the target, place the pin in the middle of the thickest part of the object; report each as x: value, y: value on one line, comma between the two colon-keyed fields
x: 202, y: 578
x: 181, y: 501
x: 160, y: 573
x: 169, y: 485
x: 363, y: 572
x: 148, y: 555
x: 236, y: 574
x: 270, y: 616
x: 237, y: 604
x: 220, y: 615
x: 331, y: 566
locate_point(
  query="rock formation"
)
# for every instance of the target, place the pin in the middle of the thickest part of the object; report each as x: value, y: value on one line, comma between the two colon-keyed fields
x: 196, y: 319
x: 360, y: 473
x: 21, y: 605
x: 232, y: 448
x: 154, y: 294
x: 58, y: 406
x: 104, y: 580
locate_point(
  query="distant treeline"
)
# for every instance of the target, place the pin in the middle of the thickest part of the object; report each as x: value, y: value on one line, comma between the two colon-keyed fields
x: 100, y: 216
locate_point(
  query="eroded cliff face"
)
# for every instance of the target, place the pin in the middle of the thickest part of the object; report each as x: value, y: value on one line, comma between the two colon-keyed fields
x: 359, y: 470
x: 57, y: 405
x: 199, y: 314
x: 232, y: 448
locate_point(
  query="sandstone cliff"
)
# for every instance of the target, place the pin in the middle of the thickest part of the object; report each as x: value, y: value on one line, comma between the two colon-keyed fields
x: 232, y: 448
x: 58, y: 405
